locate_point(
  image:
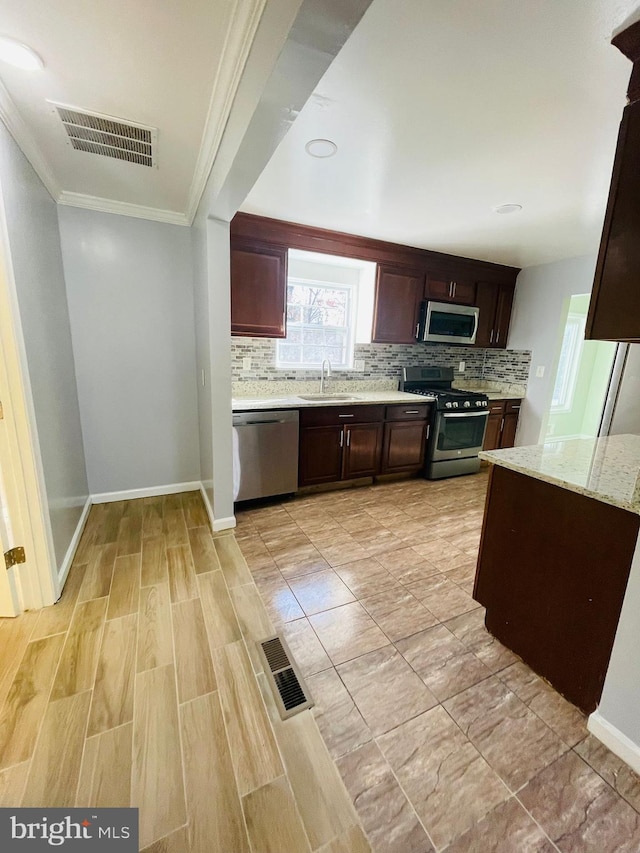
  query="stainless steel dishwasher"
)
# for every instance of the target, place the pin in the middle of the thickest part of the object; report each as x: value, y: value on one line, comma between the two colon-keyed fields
x: 265, y: 454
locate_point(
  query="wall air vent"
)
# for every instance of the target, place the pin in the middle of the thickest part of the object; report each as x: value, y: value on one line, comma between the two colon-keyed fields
x: 109, y: 137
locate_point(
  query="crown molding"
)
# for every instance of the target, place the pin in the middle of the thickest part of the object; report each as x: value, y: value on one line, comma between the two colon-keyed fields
x: 240, y: 35
x: 26, y: 142
x: 122, y: 208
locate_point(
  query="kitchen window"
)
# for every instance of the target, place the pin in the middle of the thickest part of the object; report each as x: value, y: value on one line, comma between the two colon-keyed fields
x: 569, y: 363
x: 329, y: 310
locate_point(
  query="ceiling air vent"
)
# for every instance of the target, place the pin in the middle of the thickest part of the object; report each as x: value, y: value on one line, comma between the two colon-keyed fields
x: 109, y: 137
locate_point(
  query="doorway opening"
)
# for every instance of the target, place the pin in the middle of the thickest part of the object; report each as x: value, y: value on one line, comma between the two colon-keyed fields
x: 583, y: 376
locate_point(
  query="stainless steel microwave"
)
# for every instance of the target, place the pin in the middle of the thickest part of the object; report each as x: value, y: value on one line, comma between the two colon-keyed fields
x: 445, y: 323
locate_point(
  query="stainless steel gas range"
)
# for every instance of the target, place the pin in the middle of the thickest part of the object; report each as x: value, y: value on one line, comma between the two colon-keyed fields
x: 458, y: 423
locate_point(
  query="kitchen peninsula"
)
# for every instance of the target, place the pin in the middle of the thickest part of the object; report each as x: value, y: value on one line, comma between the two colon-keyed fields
x: 559, y: 534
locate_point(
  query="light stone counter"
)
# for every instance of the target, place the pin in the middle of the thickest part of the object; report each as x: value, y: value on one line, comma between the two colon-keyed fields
x: 494, y: 389
x: 607, y: 469
x: 355, y: 398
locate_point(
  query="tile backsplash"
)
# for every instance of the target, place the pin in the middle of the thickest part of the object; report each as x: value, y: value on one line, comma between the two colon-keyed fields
x: 385, y: 361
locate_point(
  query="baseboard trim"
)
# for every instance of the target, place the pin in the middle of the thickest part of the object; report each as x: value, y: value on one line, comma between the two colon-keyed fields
x: 63, y: 571
x: 615, y: 740
x: 207, y: 504
x: 150, y: 492
x: 223, y: 523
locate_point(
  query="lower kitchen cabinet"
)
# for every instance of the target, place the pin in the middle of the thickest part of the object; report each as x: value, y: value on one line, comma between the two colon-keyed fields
x: 339, y: 443
x: 361, y: 452
x: 320, y: 458
x: 501, y: 424
x: 403, y: 446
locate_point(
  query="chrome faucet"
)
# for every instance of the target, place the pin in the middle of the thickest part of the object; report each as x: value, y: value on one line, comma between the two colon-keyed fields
x: 323, y: 378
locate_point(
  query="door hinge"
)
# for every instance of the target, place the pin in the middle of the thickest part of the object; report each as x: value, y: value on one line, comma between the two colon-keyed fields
x: 14, y: 556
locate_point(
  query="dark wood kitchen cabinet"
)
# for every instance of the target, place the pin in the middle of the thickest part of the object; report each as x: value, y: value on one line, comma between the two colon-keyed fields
x: 455, y: 290
x: 495, y: 302
x: 552, y: 572
x: 339, y: 443
x: 397, y: 303
x: 614, y: 311
x: 502, y: 424
x: 405, y: 439
x: 258, y: 290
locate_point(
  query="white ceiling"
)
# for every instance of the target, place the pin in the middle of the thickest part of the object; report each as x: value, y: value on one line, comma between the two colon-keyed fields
x: 173, y: 65
x: 443, y: 109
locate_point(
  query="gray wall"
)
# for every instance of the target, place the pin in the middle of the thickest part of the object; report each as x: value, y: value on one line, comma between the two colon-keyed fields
x: 130, y: 291
x: 34, y: 243
x: 539, y: 314
x: 626, y: 415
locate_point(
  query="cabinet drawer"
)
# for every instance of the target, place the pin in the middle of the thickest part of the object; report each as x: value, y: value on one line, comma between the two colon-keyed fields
x: 496, y: 407
x: 407, y: 412
x: 329, y: 415
x: 512, y: 405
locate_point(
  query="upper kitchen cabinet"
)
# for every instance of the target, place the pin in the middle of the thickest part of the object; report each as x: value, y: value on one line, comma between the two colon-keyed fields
x: 397, y: 304
x: 459, y: 291
x: 614, y: 312
x: 405, y: 276
x: 258, y: 290
x: 495, y: 302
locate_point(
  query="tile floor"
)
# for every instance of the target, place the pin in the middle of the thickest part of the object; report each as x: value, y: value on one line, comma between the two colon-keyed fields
x: 142, y: 687
x: 444, y: 738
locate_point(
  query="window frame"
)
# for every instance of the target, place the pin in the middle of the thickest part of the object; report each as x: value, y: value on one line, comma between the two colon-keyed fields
x: 350, y: 328
x: 564, y: 406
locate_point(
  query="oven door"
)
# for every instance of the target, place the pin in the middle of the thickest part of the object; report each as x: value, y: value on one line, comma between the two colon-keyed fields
x: 458, y: 435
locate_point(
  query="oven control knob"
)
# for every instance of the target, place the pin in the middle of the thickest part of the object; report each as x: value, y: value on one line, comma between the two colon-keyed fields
x: 455, y: 405
x: 447, y: 405
x: 467, y: 404
x: 484, y: 403
x: 478, y: 402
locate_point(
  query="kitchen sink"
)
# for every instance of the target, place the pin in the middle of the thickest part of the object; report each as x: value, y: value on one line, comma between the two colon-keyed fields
x: 328, y: 397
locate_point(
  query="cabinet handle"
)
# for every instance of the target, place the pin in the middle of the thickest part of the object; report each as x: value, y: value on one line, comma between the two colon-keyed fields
x: 497, y: 335
x: 501, y: 425
x: 428, y: 432
x: 417, y: 329
x: 515, y: 408
x: 413, y: 412
x: 455, y: 284
x: 341, y: 438
x: 348, y: 437
x: 345, y: 416
x: 491, y: 338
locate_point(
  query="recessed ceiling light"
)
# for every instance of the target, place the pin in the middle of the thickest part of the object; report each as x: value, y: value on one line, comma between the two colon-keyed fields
x: 507, y: 208
x: 15, y: 53
x: 321, y: 148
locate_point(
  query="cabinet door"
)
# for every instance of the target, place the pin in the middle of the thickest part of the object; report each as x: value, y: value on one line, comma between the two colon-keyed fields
x: 362, y: 448
x: 258, y: 291
x: 487, y: 301
x: 492, y: 433
x: 614, y: 311
x: 320, y: 455
x: 403, y: 446
x: 509, y: 427
x: 398, y: 296
x: 451, y: 290
x: 503, y: 315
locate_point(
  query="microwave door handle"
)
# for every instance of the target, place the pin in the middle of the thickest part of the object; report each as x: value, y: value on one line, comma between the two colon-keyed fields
x: 476, y: 317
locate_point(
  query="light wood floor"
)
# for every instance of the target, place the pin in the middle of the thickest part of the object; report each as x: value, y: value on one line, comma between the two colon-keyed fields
x: 142, y: 687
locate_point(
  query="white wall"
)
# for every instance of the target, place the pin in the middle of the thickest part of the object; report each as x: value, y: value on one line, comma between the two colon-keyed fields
x: 36, y: 258
x: 130, y: 291
x: 626, y: 415
x: 203, y: 349
x: 539, y: 313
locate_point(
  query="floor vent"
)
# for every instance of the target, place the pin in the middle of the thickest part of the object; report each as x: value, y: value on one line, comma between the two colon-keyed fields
x: 288, y: 687
x: 109, y: 137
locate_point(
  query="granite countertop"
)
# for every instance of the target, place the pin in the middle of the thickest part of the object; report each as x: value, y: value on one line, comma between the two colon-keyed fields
x: 607, y: 469
x: 292, y: 401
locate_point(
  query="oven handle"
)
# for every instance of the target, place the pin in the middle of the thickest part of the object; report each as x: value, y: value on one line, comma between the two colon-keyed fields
x: 465, y: 414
